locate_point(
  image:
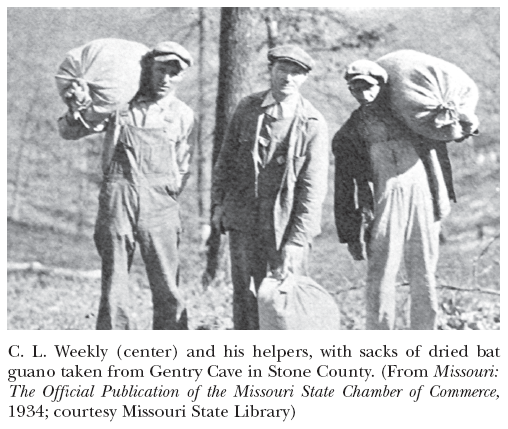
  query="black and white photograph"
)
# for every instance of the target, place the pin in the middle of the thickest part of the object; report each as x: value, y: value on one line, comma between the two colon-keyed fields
x: 253, y: 168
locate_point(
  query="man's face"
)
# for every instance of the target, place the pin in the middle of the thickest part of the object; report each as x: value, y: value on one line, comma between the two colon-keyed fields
x: 364, y: 92
x: 286, y: 78
x: 164, y: 77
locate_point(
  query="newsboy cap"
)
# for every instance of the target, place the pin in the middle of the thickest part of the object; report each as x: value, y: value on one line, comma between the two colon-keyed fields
x: 366, y: 70
x: 291, y: 53
x: 172, y: 51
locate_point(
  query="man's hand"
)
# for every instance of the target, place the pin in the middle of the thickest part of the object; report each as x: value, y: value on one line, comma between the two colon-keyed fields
x: 357, y: 250
x: 78, y: 96
x: 291, y: 258
x: 217, y: 214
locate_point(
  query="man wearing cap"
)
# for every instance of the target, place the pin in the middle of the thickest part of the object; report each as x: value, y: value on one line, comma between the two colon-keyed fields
x: 270, y: 180
x: 392, y: 188
x: 146, y: 161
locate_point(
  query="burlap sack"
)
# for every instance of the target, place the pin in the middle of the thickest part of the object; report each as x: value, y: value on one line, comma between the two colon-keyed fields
x: 298, y: 303
x: 110, y: 67
x: 433, y: 97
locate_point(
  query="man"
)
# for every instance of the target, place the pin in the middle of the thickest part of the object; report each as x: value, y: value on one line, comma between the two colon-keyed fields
x: 145, y: 164
x: 270, y: 181
x: 412, y: 188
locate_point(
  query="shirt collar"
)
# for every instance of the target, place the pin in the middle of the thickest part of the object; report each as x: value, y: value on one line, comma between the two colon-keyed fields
x: 162, y: 103
x: 280, y: 110
x: 268, y: 100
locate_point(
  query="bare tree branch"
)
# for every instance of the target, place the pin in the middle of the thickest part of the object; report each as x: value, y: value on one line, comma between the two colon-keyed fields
x: 477, y: 259
x: 38, y: 268
x: 441, y: 286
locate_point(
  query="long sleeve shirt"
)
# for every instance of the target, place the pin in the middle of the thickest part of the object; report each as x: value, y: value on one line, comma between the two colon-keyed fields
x: 169, y: 113
x: 354, y: 172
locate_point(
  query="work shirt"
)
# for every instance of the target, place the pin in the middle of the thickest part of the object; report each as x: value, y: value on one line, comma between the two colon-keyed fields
x: 169, y: 113
x: 372, y: 149
x: 278, y: 117
x: 271, y: 168
x: 280, y: 109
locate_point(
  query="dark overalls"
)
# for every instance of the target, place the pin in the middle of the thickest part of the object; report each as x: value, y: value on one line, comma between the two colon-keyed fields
x: 137, y: 203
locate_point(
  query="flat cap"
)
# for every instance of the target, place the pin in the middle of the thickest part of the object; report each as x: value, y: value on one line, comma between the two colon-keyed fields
x: 172, y: 51
x: 291, y: 53
x: 366, y: 70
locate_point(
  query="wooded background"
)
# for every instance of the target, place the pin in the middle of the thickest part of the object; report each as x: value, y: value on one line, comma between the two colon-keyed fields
x: 53, y: 184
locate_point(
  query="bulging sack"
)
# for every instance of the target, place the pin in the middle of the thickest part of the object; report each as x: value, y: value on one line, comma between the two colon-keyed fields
x: 298, y: 303
x: 433, y: 97
x: 110, y: 67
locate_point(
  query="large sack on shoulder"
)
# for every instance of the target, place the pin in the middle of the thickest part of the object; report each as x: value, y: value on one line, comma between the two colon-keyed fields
x: 111, y: 68
x: 433, y: 97
x: 297, y: 302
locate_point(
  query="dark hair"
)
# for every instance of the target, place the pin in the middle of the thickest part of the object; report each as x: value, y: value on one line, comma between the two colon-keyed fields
x: 145, y: 80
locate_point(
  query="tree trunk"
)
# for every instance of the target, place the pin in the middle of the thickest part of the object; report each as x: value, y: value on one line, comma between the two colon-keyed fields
x: 83, y: 204
x: 16, y: 194
x: 201, y: 112
x: 28, y: 125
x: 272, y: 32
x: 235, y: 52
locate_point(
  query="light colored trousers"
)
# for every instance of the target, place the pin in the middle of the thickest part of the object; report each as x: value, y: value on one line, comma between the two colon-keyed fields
x: 404, y: 227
